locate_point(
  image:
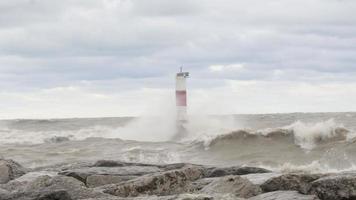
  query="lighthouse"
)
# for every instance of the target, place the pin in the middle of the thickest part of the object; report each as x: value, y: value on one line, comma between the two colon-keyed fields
x: 181, y: 104
x: 181, y: 95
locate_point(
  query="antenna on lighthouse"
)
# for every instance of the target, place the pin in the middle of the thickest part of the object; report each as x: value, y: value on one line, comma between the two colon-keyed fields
x: 181, y: 102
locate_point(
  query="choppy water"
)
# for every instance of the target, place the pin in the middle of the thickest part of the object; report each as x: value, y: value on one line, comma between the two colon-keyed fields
x: 288, y: 142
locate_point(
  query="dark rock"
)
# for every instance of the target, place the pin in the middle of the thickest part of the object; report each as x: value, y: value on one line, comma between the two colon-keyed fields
x: 114, y: 163
x: 284, y: 195
x: 298, y: 182
x: 335, y: 187
x: 163, y: 183
x: 54, y: 195
x: 219, y: 172
x: 109, y: 163
x: 236, y: 185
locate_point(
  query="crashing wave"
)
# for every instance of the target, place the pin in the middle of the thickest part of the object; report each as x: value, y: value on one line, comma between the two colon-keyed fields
x: 305, y: 135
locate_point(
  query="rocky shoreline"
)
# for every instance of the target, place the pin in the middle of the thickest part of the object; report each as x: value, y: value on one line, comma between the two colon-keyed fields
x: 115, y: 180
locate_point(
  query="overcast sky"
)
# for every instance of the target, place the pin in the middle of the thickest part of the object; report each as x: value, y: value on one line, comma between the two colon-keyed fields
x: 94, y: 58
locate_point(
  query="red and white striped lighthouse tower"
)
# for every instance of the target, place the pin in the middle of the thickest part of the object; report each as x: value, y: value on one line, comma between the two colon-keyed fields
x: 181, y: 96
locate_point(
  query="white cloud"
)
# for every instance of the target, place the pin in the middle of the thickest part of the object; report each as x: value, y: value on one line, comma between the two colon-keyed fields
x: 231, y: 67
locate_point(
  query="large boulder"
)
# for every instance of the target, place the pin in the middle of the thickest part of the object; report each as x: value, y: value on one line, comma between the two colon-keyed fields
x: 218, y: 172
x: 284, y: 195
x: 298, y: 182
x: 236, y: 185
x: 20, y: 183
x: 335, y: 187
x: 10, y: 170
x: 162, y: 183
x: 74, y: 188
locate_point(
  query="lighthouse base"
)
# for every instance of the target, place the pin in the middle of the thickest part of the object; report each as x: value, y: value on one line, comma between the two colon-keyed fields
x: 181, y: 130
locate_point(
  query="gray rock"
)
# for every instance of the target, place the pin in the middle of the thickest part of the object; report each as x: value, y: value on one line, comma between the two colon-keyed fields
x: 284, y: 195
x: 298, y: 182
x: 99, y: 180
x: 64, y: 166
x: 13, y: 186
x: 199, y: 184
x: 5, y: 173
x: 10, y: 170
x: 335, y: 187
x: 3, y: 192
x: 219, y: 172
x: 40, y: 195
x: 129, y: 171
x: 163, y: 183
x: 236, y: 185
x: 73, y: 187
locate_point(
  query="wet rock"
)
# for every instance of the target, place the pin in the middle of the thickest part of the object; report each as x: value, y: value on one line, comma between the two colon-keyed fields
x: 298, y: 182
x: 10, y: 170
x: 114, y: 163
x: 99, y: 180
x: 284, y: 195
x: 219, y: 172
x: 163, y: 183
x: 73, y: 187
x: 127, y: 172
x: 236, y: 185
x: 335, y: 187
x: 109, y: 163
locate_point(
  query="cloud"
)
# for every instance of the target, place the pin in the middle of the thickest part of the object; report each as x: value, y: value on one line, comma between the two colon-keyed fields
x: 128, y: 45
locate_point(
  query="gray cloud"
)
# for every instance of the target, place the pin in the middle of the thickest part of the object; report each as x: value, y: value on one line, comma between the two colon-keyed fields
x: 133, y: 44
